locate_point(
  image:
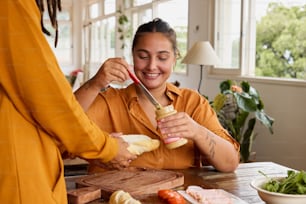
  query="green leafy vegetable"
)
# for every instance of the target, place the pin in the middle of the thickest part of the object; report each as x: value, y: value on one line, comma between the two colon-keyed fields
x: 294, y: 183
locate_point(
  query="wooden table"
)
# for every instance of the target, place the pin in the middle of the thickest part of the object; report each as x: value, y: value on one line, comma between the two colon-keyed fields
x: 237, y: 183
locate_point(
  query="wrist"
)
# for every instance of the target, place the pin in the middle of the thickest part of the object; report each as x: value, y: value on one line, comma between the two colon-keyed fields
x: 105, y: 88
x: 95, y: 85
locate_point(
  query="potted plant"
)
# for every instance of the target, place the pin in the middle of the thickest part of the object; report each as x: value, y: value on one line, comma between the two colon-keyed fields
x: 238, y: 108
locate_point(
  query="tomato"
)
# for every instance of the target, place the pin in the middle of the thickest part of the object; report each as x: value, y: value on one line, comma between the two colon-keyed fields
x: 171, y: 196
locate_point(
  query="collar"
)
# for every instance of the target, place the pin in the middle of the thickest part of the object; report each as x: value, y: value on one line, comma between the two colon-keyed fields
x: 171, y: 91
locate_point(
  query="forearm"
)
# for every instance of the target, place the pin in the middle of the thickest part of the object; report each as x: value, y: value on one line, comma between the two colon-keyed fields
x: 219, y: 152
x: 86, y: 94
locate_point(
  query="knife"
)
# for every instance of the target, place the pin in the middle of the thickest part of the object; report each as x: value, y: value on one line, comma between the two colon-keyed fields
x: 145, y: 90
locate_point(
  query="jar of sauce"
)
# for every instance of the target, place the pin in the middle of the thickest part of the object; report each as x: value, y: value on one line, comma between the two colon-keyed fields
x: 173, y: 142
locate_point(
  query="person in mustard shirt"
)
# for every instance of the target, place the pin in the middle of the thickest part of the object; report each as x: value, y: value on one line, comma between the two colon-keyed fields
x: 40, y: 116
x: 128, y: 110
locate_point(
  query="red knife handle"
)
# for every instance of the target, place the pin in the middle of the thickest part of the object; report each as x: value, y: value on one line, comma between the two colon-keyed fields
x: 133, y: 77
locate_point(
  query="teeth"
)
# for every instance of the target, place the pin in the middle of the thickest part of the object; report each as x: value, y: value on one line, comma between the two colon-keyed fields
x: 152, y: 75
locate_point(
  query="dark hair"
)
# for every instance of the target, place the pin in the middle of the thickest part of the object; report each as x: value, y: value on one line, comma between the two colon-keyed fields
x: 52, y: 7
x: 157, y: 25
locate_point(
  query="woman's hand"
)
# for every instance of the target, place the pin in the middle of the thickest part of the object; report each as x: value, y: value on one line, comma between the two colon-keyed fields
x: 179, y: 125
x: 113, y: 69
x: 121, y: 160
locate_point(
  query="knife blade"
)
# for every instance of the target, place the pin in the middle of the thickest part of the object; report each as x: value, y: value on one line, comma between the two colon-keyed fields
x: 145, y: 90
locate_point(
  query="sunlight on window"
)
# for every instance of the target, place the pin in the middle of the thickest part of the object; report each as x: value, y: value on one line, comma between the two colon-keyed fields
x: 280, y: 39
x: 227, y: 33
x: 63, y: 51
x: 179, y: 23
x: 270, y: 41
x: 94, y: 10
x: 141, y: 2
x: 109, y: 6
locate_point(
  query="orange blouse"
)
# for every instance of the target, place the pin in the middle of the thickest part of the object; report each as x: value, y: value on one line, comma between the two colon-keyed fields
x: 118, y: 110
x: 38, y: 113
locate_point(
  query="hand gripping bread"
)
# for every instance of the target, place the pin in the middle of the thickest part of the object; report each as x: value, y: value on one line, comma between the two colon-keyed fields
x: 122, y: 197
x: 139, y: 144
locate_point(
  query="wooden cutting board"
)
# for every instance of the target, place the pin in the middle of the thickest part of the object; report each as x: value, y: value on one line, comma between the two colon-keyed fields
x: 137, y: 182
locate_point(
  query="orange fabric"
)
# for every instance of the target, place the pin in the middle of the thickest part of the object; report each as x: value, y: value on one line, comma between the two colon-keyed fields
x: 38, y: 113
x: 117, y: 110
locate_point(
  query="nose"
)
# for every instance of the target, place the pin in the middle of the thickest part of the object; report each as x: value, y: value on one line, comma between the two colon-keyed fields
x: 152, y: 63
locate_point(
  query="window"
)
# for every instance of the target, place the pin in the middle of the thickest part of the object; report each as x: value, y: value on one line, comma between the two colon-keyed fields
x: 63, y: 51
x: 102, y: 37
x: 110, y: 38
x: 179, y: 22
x: 263, y: 38
x: 150, y: 9
x: 228, y: 31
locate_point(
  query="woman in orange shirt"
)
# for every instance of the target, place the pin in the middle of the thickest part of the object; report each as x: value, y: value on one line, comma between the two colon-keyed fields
x: 129, y: 111
x: 39, y: 116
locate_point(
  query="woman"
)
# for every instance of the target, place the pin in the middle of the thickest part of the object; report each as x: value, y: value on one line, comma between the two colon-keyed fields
x: 39, y: 116
x: 130, y: 112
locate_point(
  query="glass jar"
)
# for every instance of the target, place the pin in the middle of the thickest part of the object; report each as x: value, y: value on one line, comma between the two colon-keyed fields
x: 173, y: 142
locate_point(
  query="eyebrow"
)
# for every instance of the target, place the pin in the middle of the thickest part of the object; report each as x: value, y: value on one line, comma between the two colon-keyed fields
x: 160, y: 52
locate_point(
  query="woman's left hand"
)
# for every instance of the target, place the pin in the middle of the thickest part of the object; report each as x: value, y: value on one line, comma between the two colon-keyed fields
x: 179, y: 125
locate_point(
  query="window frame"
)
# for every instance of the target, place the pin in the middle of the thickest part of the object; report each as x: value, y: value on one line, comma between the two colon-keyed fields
x: 65, y: 66
x: 130, y: 11
x: 247, y: 58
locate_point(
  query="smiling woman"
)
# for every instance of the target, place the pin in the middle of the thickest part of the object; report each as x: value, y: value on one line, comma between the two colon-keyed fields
x: 99, y: 39
x: 155, y: 51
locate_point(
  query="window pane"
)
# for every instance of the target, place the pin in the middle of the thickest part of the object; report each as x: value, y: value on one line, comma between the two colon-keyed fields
x: 127, y: 3
x: 103, y: 40
x: 109, y: 6
x: 63, y: 16
x: 228, y: 29
x: 94, y: 10
x: 141, y: 2
x: 63, y: 51
x: 281, y: 39
x: 179, y: 23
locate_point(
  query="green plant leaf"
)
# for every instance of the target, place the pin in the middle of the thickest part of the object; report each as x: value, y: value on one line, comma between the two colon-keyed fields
x: 246, y: 143
x: 253, y: 92
x: 230, y: 127
x: 240, y: 119
x: 225, y: 85
x: 245, y: 86
x: 245, y: 102
x: 234, y: 112
x: 260, y: 105
x: 218, y: 102
x: 265, y: 119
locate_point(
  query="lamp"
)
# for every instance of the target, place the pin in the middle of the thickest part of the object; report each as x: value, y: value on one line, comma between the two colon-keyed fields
x: 202, y: 54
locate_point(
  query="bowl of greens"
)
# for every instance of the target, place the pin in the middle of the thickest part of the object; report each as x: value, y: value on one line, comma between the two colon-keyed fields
x: 290, y: 189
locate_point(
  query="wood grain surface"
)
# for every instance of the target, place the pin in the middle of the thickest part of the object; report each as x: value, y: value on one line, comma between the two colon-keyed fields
x: 237, y: 183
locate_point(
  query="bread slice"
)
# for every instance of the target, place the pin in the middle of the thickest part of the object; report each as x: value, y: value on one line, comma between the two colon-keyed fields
x: 122, y: 197
x: 139, y: 144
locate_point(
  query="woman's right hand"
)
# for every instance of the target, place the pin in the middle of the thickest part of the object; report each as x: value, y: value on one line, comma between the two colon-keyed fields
x: 121, y: 161
x: 113, y: 69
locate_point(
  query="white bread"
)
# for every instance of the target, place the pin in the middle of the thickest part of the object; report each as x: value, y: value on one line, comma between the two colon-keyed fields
x: 122, y: 197
x: 139, y: 144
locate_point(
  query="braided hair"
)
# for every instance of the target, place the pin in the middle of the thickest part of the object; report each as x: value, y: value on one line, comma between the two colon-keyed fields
x: 53, y: 6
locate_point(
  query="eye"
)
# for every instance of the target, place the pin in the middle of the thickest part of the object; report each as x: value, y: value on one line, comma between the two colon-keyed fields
x: 143, y: 56
x: 163, y: 57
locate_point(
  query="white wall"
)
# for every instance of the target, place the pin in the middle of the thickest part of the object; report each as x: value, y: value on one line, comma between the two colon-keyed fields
x: 285, y: 103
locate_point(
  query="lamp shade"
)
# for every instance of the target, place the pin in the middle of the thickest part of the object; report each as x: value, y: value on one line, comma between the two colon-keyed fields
x: 201, y: 53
